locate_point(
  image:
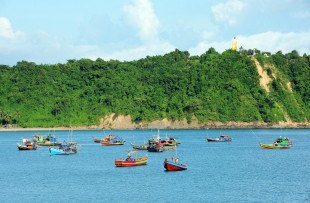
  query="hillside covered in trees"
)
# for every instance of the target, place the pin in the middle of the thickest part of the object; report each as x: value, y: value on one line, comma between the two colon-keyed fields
x: 211, y: 87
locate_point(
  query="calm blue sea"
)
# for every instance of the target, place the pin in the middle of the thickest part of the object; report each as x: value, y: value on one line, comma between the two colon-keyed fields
x: 239, y: 171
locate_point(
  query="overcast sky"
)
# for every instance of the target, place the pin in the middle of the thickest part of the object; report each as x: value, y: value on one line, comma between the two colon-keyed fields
x: 53, y: 31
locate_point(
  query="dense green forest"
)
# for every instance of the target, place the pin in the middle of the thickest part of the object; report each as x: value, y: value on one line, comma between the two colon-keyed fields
x: 210, y: 87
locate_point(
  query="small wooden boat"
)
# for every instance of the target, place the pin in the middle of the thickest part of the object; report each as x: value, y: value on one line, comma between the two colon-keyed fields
x: 132, y: 161
x: 97, y: 140
x: 139, y: 147
x: 169, y: 147
x: 112, y: 140
x: 174, y: 164
x: 222, y: 138
x: 174, y: 141
x: 29, y: 146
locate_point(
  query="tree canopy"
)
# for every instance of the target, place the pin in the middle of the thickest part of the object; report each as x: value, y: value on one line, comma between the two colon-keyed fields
x: 211, y: 87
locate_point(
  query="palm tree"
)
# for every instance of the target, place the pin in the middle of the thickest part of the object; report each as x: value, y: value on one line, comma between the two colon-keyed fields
x: 7, y: 117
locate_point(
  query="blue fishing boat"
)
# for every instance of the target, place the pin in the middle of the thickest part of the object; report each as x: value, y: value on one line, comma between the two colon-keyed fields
x: 222, y: 138
x: 58, y: 151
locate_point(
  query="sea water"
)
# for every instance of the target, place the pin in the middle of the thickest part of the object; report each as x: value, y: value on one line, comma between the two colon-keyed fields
x: 237, y: 171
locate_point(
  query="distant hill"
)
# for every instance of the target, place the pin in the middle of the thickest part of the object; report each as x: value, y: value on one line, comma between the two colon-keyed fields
x: 213, y: 87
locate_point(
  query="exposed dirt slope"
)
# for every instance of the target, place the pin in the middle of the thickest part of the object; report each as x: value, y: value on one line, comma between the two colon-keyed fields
x: 264, y: 78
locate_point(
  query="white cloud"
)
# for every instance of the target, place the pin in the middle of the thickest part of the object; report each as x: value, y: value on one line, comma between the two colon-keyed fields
x: 267, y: 41
x: 276, y: 41
x: 11, y: 41
x: 144, y: 35
x: 38, y: 46
x: 228, y: 12
x: 6, y: 30
x: 41, y: 47
x: 141, y: 14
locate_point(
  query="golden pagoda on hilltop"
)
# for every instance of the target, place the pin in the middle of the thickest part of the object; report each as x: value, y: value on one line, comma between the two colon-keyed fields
x: 234, y: 44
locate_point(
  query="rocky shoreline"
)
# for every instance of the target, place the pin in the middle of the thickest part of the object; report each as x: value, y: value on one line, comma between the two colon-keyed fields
x: 125, y: 123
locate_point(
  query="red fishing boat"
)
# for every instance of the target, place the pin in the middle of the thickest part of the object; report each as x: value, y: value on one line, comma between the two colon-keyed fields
x: 174, y: 164
x: 132, y: 161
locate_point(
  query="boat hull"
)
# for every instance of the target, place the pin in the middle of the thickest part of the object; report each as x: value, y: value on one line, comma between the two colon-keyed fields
x: 49, y: 143
x: 218, y: 140
x: 171, y: 166
x: 155, y: 149
x: 112, y: 143
x: 26, y: 147
x: 96, y: 140
x: 139, y: 147
x: 273, y: 146
x: 54, y: 151
x: 169, y: 148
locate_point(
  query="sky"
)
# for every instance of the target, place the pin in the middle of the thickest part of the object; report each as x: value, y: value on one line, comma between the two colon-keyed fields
x: 54, y: 31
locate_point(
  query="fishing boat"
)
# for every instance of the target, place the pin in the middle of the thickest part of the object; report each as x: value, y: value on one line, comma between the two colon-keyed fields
x: 280, y: 143
x: 170, y: 141
x: 58, y: 150
x: 273, y: 146
x: 144, y: 146
x: 157, y: 147
x: 112, y: 140
x: 132, y: 161
x: 49, y: 140
x: 222, y: 138
x: 28, y: 146
x: 169, y: 147
x: 174, y: 164
x: 139, y: 147
x: 174, y: 141
x: 154, y: 139
x: 155, y: 144
x: 69, y: 146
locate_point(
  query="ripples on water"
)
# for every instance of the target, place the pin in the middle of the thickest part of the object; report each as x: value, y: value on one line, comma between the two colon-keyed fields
x: 238, y: 171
